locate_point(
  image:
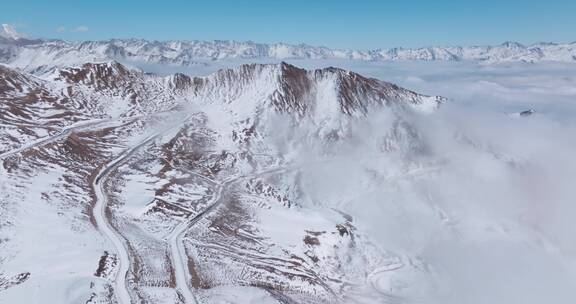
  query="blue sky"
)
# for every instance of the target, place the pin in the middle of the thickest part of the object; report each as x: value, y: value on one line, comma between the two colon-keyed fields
x: 358, y: 24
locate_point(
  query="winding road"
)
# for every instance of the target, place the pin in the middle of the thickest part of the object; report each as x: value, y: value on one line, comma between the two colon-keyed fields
x: 93, y: 124
x: 179, y: 257
x: 178, y: 253
x: 52, y: 138
x: 381, y: 278
x: 104, y: 225
x: 103, y: 220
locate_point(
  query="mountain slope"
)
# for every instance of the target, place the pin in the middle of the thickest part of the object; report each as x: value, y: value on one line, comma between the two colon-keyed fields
x: 177, y: 188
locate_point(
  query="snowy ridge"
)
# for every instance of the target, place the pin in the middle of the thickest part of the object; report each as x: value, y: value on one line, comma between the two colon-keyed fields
x: 289, y: 89
x: 9, y: 32
x: 39, y: 55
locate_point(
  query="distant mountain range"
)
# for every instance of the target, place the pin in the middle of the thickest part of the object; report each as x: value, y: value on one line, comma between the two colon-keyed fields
x: 41, y: 55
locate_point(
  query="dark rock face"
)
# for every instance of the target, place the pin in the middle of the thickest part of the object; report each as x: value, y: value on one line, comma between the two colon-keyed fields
x: 527, y: 113
x: 101, y: 76
x: 296, y: 88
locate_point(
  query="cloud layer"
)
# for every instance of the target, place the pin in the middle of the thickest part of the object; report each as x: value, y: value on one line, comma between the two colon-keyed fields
x: 483, y: 199
x: 77, y: 29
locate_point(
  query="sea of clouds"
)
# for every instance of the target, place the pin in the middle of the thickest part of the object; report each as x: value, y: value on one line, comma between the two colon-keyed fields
x: 494, y: 215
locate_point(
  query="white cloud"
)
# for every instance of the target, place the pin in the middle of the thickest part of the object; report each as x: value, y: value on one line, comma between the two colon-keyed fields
x: 484, y: 200
x: 80, y: 28
x: 61, y: 29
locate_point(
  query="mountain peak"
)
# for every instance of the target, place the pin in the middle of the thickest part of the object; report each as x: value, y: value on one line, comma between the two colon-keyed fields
x: 110, y: 75
x: 9, y: 32
x: 98, y: 70
x: 354, y: 94
x: 513, y: 45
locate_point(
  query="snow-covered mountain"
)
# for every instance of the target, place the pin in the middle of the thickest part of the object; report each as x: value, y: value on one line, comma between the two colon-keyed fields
x: 9, y: 32
x: 122, y: 186
x: 41, y: 55
x: 265, y: 183
x: 269, y: 183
